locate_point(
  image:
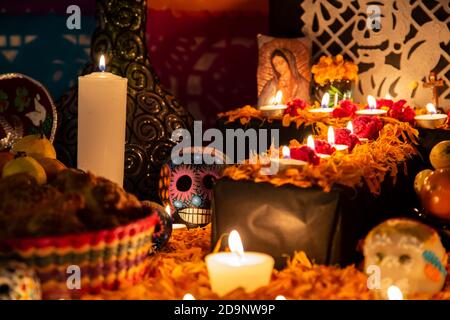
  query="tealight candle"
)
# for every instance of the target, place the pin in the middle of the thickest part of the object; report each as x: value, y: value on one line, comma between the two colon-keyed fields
x: 286, y: 161
x: 394, y: 293
x: 323, y: 105
x: 102, y: 106
x: 332, y: 141
x: 276, y: 108
x: 372, y: 108
x: 231, y: 270
x: 432, y: 120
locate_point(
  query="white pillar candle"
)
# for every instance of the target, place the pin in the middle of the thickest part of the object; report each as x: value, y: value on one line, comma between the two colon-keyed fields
x: 231, y: 270
x: 102, y: 105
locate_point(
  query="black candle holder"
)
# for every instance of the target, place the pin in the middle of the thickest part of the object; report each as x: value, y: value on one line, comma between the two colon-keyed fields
x: 152, y: 112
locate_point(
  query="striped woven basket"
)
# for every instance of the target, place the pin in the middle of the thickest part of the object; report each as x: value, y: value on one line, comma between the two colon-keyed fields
x: 71, y: 265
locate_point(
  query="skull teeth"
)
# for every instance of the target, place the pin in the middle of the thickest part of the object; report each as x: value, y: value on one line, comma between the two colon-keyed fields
x: 195, y: 215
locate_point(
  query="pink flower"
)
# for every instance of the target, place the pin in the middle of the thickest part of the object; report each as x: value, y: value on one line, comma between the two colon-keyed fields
x: 305, y: 153
x: 294, y: 105
x: 346, y: 109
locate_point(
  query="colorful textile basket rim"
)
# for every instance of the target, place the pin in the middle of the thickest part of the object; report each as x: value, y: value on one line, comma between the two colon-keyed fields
x: 78, y: 240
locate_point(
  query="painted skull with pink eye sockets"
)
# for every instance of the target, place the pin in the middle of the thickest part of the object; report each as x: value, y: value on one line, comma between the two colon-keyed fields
x: 188, y: 187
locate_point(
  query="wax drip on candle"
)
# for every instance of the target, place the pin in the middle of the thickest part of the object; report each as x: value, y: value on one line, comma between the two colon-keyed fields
x: 286, y: 152
x: 371, y: 102
x: 394, y: 293
x: 102, y: 63
x: 325, y: 100
x: 431, y: 108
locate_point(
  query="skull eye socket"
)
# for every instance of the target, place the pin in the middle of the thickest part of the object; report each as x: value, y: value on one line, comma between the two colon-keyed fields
x: 404, y: 258
x: 380, y: 256
x: 4, y: 289
x: 361, y: 25
x: 208, y: 181
x: 184, y: 183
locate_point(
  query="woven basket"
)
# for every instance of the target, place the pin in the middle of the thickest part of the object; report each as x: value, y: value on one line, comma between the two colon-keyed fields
x: 105, y: 259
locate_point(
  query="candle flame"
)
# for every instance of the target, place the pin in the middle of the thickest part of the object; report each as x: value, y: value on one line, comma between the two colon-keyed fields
x: 188, y: 296
x: 331, y: 139
x: 168, y: 210
x: 102, y: 63
x: 431, y: 108
x: 286, y: 152
x: 235, y: 243
x: 310, y: 142
x: 278, y: 98
x: 350, y: 127
x: 325, y: 100
x: 394, y: 293
x: 280, y: 297
x: 371, y: 102
x: 388, y: 96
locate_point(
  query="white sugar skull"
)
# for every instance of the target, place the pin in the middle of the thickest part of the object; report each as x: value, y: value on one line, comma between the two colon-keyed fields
x: 409, y: 255
x: 18, y: 282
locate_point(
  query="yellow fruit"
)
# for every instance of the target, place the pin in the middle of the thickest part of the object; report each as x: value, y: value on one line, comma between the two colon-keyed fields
x: 420, y: 177
x: 36, y: 146
x: 435, y: 194
x: 25, y: 164
x: 5, y: 156
x: 52, y: 167
x: 440, y: 155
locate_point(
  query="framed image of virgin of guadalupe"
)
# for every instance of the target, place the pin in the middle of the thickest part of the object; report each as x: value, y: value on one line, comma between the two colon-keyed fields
x: 283, y: 65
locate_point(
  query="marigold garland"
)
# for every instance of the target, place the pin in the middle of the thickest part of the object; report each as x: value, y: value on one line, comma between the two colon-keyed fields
x: 180, y: 268
x: 367, y: 163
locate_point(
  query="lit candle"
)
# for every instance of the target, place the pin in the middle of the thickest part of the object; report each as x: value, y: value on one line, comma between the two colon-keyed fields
x: 280, y: 297
x: 394, y: 293
x: 372, y: 108
x: 432, y: 120
x: 102, y: 105
x: 323, y: 105
x: 188, y: 296
x: 387, y: 97
x: 276, y: 108
x: 231, y: 270
x: 332, y: 140
x: 286, y: 161
x: 311, y: 144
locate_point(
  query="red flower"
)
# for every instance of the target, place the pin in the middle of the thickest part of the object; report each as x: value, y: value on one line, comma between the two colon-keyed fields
x: 344, y: 136
x: 399, y: 111
x: 294, y: 105
x: 385, y: 103
x: 367, y: 127
x: 346, y: 109
x: 323, y: 147
x: 305, y: 153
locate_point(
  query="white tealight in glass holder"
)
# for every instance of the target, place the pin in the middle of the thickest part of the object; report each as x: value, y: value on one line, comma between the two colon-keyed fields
x: 275, y: 108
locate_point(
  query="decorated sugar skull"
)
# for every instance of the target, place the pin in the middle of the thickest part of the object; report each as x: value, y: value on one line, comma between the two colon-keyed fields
x: 187, y: 184
x: 18, y: 282
x: 408, y: 255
